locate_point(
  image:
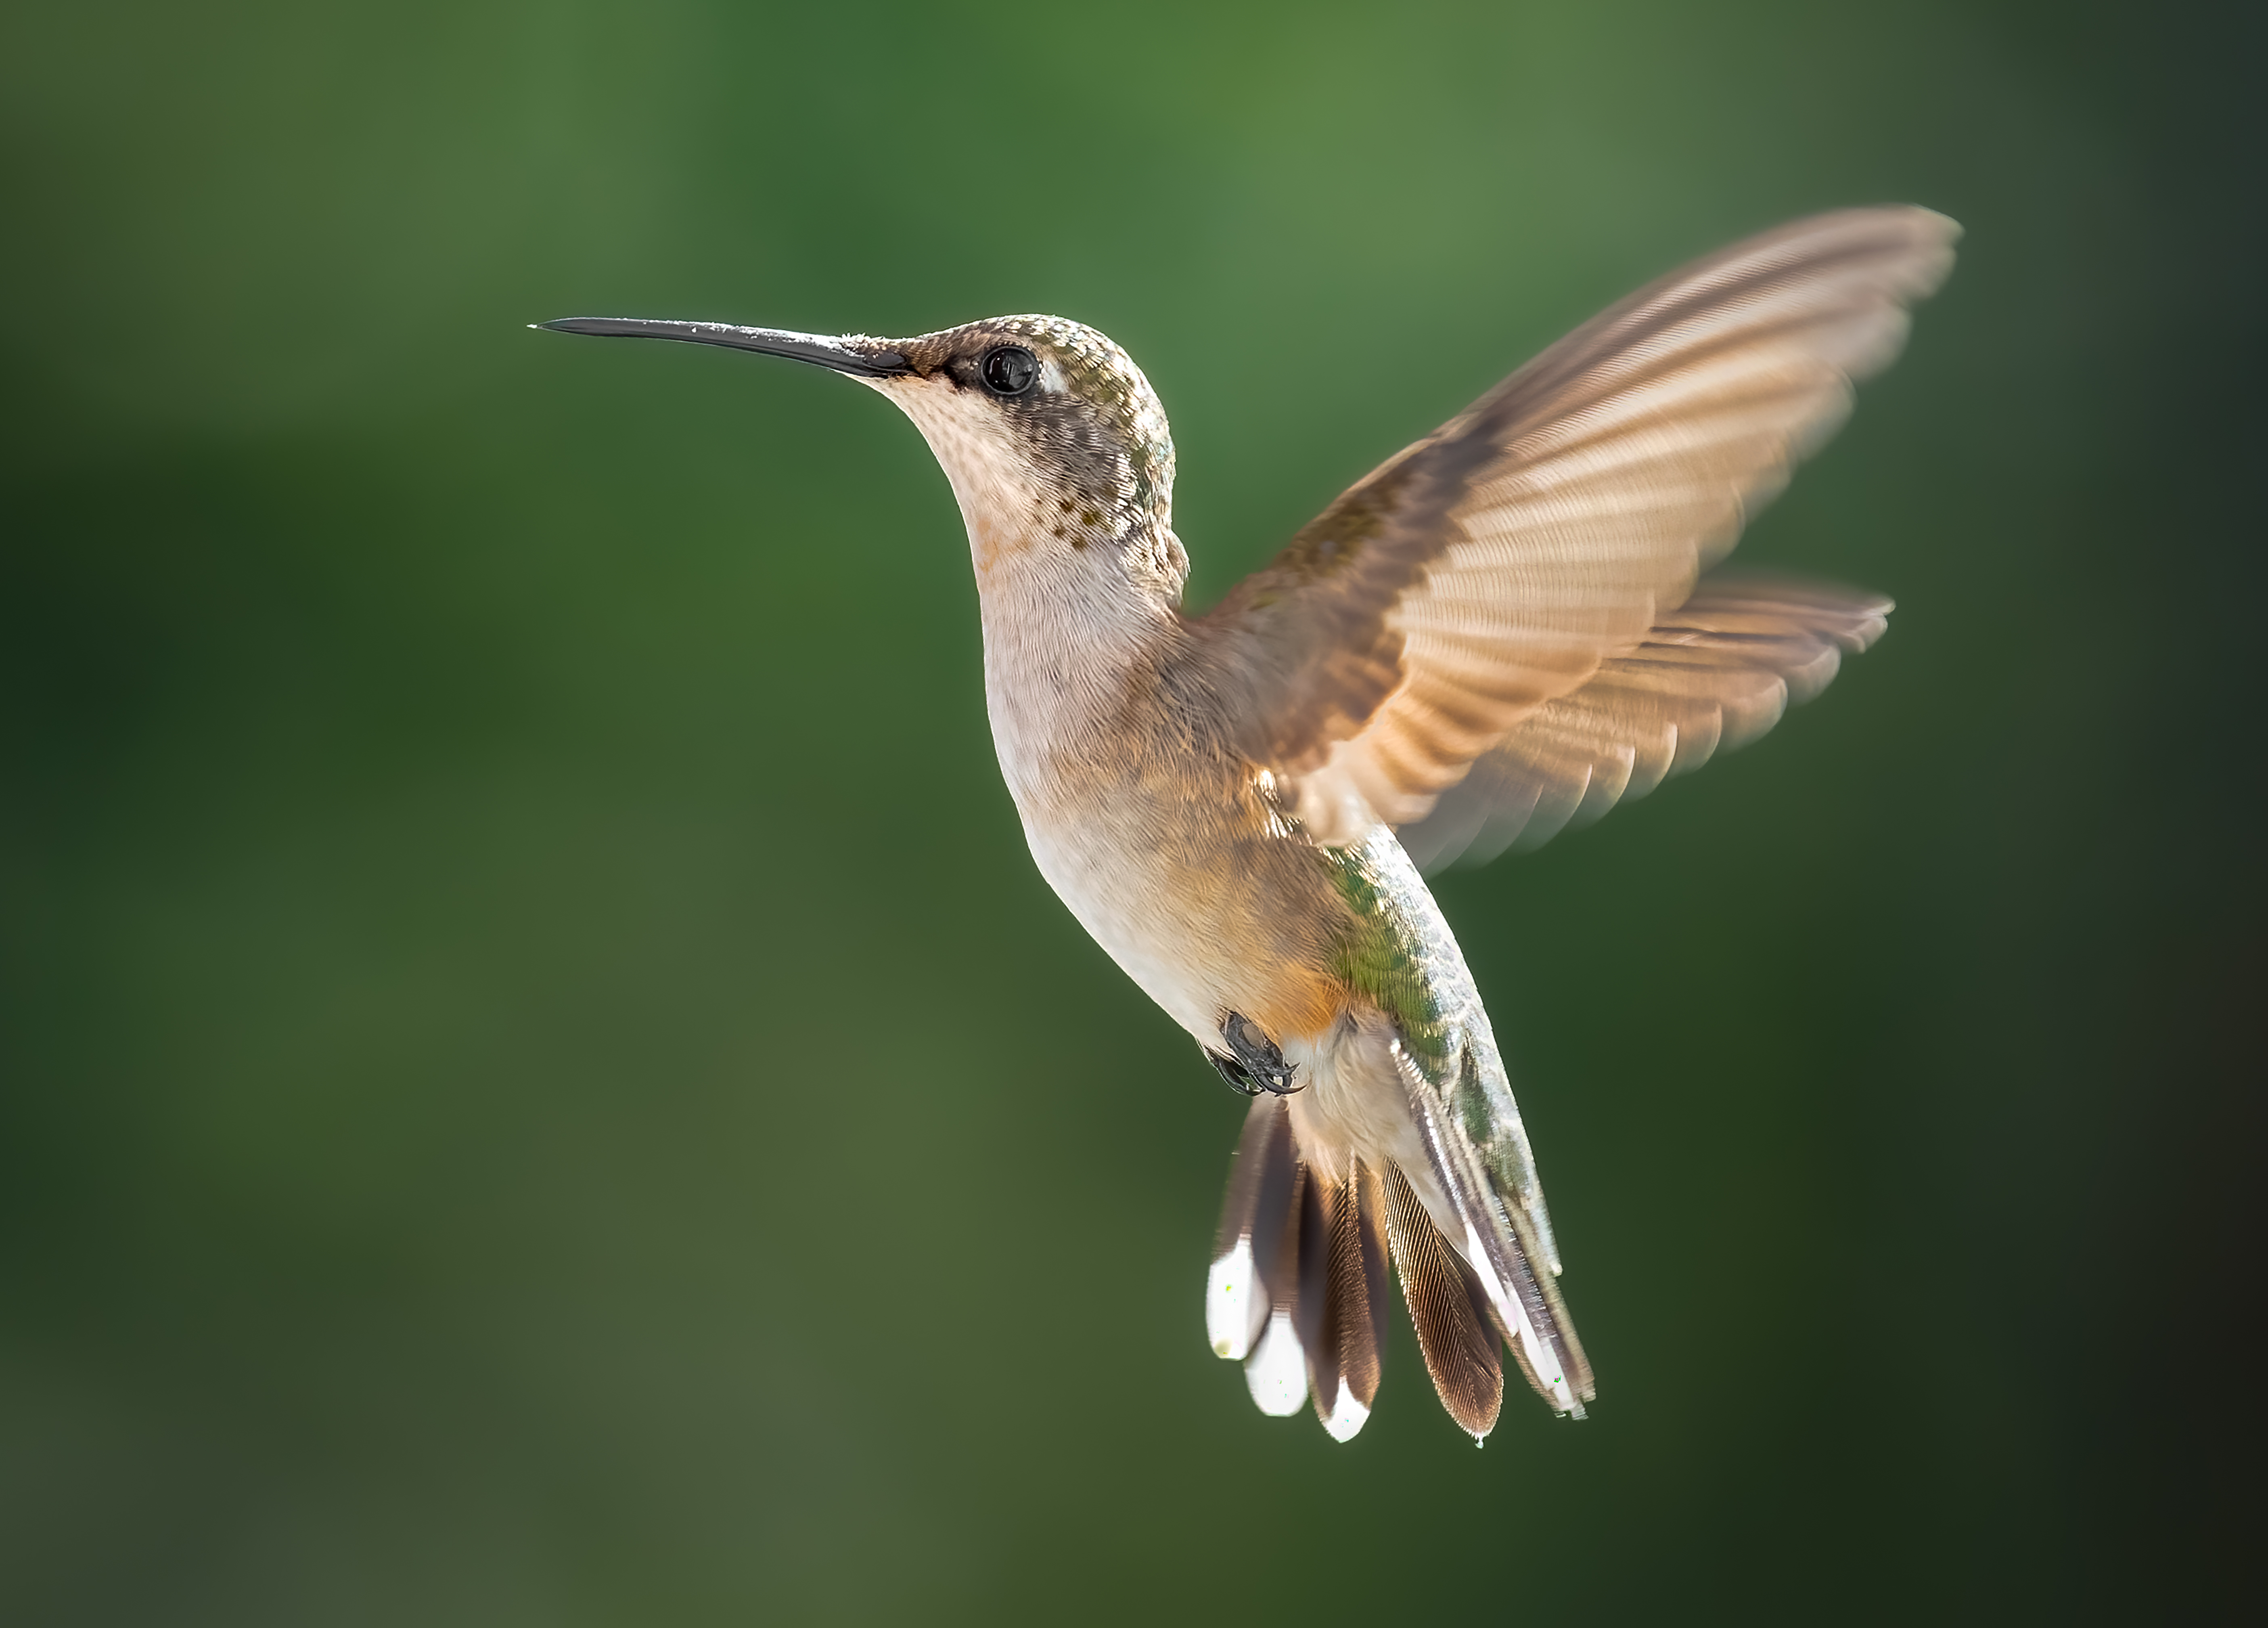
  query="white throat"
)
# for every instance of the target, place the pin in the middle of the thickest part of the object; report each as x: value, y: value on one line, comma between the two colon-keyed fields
x: 1066, y: 621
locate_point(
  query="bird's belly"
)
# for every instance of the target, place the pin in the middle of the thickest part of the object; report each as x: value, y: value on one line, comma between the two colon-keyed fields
x: 1205, y: 917
x: 1208, y: 920
x: 1251, y: 936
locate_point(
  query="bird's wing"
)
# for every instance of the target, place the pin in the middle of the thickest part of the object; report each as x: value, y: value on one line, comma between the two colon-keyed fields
x: 1714, y: 676
x: 1492, y: 568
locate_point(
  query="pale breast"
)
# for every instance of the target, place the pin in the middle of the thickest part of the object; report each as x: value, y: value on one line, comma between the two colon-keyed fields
x: 1163, y: 841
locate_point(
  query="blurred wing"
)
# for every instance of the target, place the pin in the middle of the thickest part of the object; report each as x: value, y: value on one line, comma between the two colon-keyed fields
x: 1493, y: 567
x: 1715, y: 676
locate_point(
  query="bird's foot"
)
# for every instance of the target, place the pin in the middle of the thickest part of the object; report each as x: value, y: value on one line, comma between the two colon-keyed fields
x: 1252, y: 1062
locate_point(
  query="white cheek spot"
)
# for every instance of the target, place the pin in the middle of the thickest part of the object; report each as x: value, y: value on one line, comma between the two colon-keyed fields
x: 1278, y: 1374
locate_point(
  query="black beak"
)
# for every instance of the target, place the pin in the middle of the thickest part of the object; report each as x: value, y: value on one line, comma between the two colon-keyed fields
x: 843, y: 355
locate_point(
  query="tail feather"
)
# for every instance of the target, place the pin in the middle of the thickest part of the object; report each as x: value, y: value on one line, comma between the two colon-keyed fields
x: 1457, y: 1331
x: 1501, y: 1210
x: 1359, y: 1277
x: 1276, y: 1373
x: 1311, y: 1306
x: 1241, y: 1290
x: 1298, y: 1289
x: 1348, y: 1286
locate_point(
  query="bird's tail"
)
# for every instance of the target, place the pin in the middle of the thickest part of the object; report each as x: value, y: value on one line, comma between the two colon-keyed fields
x: 1298, y: 1289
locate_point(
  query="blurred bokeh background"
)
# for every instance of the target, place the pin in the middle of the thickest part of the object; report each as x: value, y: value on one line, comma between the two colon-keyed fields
x: 537, y: 1083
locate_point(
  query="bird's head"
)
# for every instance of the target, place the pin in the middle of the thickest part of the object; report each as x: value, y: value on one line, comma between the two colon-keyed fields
x: 1054, y: 441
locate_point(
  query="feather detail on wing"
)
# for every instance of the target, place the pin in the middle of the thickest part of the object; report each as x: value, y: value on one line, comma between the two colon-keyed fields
x: 1713, y: 677
x: 1492, y: 568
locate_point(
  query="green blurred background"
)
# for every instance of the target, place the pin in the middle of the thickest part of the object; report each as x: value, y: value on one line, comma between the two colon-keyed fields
x: 541, y: 1085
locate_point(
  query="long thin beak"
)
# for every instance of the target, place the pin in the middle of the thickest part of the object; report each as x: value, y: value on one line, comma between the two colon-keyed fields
x: 845, y: 356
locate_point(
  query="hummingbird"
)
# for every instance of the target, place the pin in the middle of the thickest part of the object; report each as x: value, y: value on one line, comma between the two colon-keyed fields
x: 1498, y: 633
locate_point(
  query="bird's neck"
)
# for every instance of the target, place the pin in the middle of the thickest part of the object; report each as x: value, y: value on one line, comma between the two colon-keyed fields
x: 1080, y: 590
x: 1070, y: 637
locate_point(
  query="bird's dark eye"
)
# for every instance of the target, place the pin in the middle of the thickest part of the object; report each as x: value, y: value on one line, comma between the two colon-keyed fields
x: 1009, y: 369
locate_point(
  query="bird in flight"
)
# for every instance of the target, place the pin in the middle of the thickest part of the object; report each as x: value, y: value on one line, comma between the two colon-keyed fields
x: 1500, y: 632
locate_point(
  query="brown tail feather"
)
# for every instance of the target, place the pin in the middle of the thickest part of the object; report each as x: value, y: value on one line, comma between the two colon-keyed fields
x: 1286, y: 1278
x: 1276, y: 1373
x: 1316, y: 1254
x: 1262, y: 1156
x: 1343, y: 1286
x: 1310, y: 1312
x: 1247, y: 1250
x: 1358, y: 1281
x: 1323, y: 1315
x: 1456, y: 1332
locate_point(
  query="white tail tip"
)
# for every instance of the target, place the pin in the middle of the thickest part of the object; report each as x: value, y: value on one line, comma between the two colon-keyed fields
x: 1348, y: 1416
x: 1277, y: 1375
x: 1230, y: 1294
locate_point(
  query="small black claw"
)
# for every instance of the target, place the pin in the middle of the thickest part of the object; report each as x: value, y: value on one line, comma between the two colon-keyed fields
x: 1232, y: 1071
x: 1259, y: 1066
